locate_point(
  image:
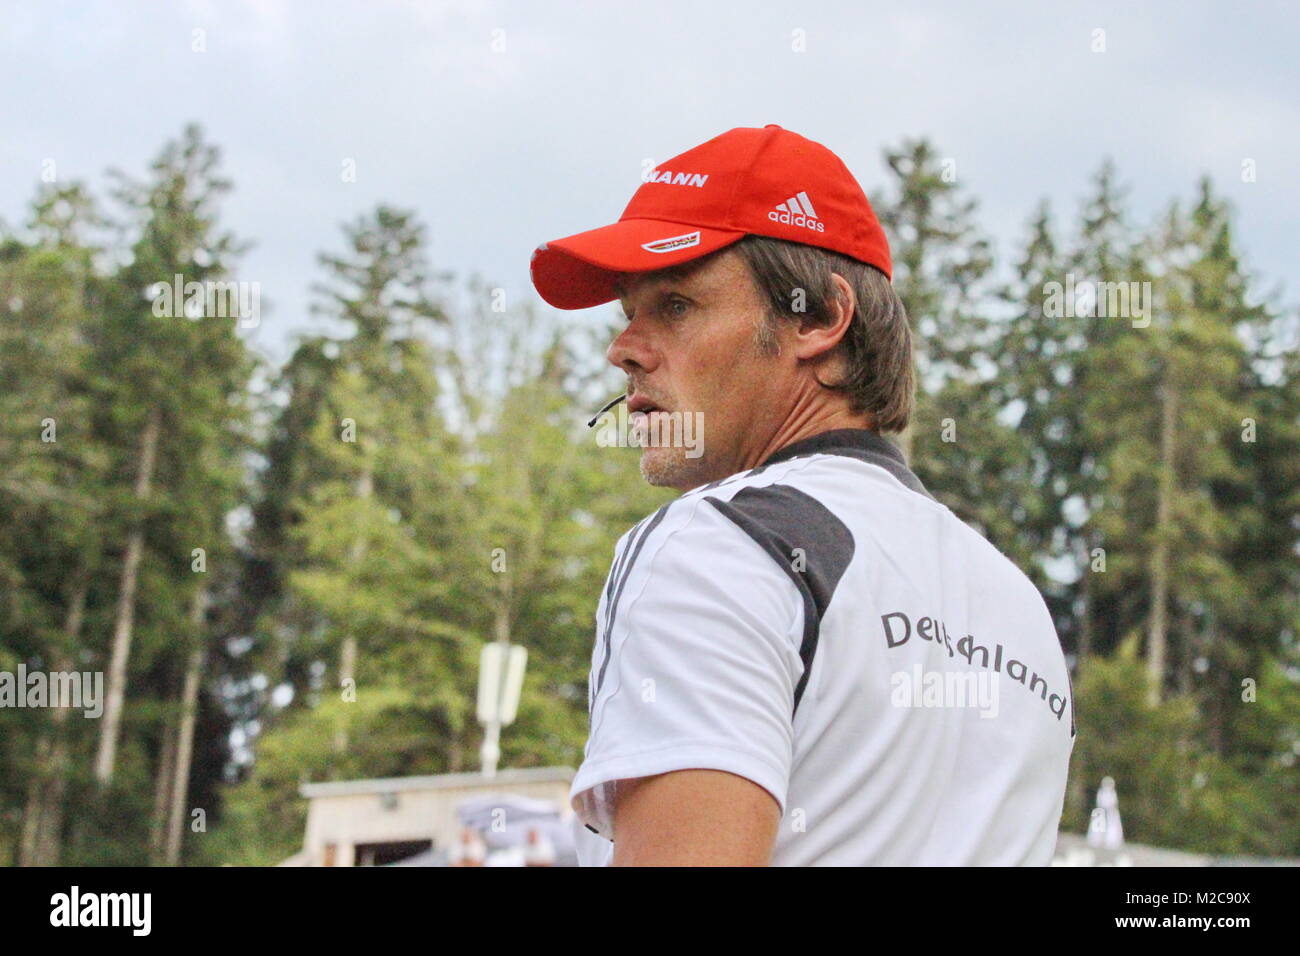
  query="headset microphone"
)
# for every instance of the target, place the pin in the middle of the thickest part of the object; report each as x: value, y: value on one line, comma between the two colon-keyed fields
x: 607, y: 407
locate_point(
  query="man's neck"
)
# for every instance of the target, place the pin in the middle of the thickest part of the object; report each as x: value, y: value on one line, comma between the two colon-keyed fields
x: 806, y: 423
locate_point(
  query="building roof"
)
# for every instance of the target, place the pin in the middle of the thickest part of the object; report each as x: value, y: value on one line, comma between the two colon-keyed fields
x: 442, y: 781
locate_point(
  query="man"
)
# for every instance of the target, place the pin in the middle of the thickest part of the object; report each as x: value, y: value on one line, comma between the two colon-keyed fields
x: 803, y: 659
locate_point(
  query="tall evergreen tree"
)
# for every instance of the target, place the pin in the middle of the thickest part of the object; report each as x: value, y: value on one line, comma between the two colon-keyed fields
x: 49, y: 494
x: 174, y: 374
x: 940, y: 259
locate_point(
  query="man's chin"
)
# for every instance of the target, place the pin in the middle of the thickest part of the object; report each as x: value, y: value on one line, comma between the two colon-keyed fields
x: 670, y: 468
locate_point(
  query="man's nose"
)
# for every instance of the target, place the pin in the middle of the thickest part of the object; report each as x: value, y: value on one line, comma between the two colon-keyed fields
x: 632, y: 350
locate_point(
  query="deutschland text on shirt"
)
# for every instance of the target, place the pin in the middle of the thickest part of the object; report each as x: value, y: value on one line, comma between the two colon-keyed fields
x: 898, y: 631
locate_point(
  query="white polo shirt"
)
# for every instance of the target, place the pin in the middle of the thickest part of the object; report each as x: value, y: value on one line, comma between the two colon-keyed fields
x: 823, y: 627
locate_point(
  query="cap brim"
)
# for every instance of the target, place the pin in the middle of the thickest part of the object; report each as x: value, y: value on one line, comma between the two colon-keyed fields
x: 579, y: 271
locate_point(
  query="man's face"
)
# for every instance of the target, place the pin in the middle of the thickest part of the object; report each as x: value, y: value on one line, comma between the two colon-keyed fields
x: 690, y: 348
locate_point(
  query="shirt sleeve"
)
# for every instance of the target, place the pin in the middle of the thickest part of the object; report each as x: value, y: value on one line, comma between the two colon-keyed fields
x: 703, y: 660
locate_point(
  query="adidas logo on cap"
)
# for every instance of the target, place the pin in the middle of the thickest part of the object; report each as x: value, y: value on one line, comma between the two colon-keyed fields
x: 797, y: 211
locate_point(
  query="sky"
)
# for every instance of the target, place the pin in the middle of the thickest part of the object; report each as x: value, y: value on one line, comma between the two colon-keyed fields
x: 506, y: 124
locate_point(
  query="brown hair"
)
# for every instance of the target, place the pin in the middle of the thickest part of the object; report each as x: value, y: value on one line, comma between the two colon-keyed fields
x: 877, y: 346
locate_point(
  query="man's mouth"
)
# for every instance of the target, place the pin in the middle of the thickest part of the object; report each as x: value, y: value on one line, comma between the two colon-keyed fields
x: 640, y: 408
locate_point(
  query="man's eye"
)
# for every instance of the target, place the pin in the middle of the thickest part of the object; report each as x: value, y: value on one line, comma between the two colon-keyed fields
x: 678, y: 307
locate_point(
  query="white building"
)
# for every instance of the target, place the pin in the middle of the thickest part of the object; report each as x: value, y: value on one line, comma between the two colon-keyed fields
x: 374, y: 822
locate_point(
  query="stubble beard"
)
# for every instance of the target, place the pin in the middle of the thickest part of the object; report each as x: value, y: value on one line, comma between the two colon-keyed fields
x: 668, y: 467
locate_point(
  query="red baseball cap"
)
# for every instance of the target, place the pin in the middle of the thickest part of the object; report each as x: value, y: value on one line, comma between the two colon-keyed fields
x: 747, y: 181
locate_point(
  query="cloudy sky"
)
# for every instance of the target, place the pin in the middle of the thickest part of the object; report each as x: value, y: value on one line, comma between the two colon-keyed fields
x: 504, y: 124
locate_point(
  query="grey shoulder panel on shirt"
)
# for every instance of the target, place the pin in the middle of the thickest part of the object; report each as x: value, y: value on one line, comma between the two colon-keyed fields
x: 806, y: 540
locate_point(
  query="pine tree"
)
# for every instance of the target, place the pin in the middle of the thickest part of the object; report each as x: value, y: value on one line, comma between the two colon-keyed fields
x: 172, y: 389
x: 1162, y: 423
x: 939, y: 262
x: 48, y: 494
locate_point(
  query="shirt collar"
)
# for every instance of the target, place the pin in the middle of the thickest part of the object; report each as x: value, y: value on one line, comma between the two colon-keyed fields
x: 860, y: 443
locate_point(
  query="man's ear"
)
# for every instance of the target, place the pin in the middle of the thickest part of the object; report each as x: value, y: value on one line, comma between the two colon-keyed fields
x: 816, y: 341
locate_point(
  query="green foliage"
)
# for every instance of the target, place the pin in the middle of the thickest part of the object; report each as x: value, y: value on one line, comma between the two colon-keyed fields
x: 1173, y: 790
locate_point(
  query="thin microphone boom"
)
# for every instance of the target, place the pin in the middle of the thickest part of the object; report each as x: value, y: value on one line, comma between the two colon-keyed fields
x: 607, y: 407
